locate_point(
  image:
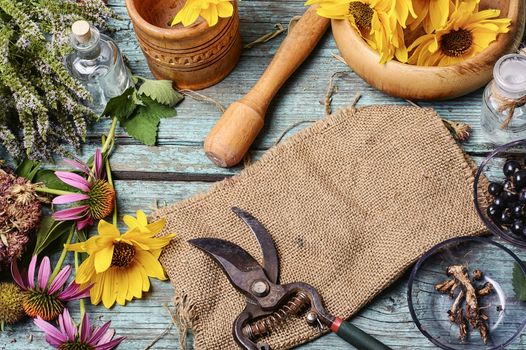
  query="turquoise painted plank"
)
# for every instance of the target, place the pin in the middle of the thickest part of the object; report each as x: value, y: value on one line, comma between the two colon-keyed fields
x: 141, y: 321
x: 300, y: 97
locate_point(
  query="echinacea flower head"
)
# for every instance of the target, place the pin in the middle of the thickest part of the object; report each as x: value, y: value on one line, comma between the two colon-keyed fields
x: 379, y: 22
x: 467, y: 33
x: 11, y: 310
x: 210, y: 10
x: 45, y: 296
x: 97, y: 199
x: 119, y: 266
x: 84, y: 337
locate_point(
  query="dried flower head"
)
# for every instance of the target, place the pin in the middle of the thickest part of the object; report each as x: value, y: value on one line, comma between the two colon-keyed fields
x: 11, y: 310
x: 20, y: 212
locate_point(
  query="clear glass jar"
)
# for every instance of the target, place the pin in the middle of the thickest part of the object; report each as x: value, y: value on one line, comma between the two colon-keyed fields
x: 508, y: 84
x: 97, y: 63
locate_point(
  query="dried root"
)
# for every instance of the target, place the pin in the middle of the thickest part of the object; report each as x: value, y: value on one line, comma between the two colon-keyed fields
x: 468, y: 295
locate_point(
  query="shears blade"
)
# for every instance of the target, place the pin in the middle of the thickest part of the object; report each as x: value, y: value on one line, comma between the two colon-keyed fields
x: 266, y: 244
x: 239, y: 266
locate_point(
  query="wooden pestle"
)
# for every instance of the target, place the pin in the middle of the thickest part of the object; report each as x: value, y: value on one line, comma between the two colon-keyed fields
x: 231, y: 137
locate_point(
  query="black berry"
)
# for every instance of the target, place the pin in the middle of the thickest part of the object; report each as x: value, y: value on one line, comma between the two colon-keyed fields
x: 510, y: 167
x: 494, y: 189
x: 522, y: 196
x: 510, y: 197
x: 518, y: 211
x: 506, y: 217
x: 494, y: 212
x: 499, y: 202
x: 517, y: 227
x: 519, y: 179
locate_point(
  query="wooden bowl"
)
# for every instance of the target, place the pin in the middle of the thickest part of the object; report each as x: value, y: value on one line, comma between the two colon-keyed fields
x: 430, y: 83
x: 193, y: 57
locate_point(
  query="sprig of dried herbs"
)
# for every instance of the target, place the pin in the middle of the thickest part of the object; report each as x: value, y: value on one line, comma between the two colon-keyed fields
x: 37, y: 94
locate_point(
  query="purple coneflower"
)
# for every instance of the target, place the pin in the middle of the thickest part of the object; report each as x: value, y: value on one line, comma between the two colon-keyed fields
x: 97, y: 199
x: 85, y: 337
x: 46, y: 296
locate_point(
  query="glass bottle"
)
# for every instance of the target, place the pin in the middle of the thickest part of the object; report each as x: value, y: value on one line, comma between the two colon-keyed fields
x: 508, y: 87
x: 97, y: 63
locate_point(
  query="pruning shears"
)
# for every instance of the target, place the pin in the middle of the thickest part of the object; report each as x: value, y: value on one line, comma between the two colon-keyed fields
x: 268, y: 303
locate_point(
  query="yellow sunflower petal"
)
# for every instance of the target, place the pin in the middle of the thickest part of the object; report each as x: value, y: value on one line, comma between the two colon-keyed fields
x: 103, y: 259
x: 109, y: 294
x: 85, y: 271
x: 96, y: 289
x: 225, y: 9
x: 130, y: 221
x: 121, y: 285
x: 151, y: 265
x: 107, y: 229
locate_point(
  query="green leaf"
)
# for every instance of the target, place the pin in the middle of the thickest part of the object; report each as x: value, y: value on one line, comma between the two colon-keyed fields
x: 50, y: 231
x: 121, y: 106
x: 27, y: 169
x: 143, y: 126
x: 50, y: 180
x: 161, y: 91
x: 519, y: 282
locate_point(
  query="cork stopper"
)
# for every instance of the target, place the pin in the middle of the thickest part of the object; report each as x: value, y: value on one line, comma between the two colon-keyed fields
x: 82, y: 31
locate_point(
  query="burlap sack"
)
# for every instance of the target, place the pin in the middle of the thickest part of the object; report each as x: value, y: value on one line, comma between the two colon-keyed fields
x: 351, y: 203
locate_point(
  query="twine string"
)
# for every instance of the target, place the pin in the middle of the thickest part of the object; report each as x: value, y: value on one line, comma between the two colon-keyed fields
x: 506, y: 104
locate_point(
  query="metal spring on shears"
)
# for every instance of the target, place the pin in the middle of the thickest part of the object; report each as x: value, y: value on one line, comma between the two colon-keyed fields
x: 264, y: 326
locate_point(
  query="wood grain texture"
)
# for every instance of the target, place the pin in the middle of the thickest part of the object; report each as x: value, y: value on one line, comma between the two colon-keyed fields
x: 178, y: 169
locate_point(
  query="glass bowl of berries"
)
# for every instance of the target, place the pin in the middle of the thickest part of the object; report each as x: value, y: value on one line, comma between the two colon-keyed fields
x: 461, y: 294
x: 500, y: 192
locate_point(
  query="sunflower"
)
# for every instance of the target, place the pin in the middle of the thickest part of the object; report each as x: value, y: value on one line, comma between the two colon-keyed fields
x: 210, y: 10
x: 467, y: 33
x: 379, y: 22
x: 431, y: 14
x: 119, y: 266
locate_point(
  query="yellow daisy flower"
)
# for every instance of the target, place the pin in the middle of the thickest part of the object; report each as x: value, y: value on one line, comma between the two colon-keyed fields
x: 467, y: 33
x: 210, y: 10
x: 119, y: 266
x: 379, y: 22
x: 431, y: 14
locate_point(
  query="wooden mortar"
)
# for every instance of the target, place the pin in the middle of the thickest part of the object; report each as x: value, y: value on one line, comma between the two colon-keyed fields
x: 193, y: 57
x: 430, y: 83
x: 231, y: 137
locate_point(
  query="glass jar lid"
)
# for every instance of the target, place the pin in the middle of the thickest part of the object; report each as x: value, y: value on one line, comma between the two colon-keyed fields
x: 510, y: 74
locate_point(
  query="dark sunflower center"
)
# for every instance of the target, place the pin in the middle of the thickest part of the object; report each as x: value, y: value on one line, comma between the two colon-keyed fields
x: 76, y: 345
x: 37, y: 303
x: 456, y: 43
x: 101, y: 199
x: 362, y: 14
x: 123, y: 254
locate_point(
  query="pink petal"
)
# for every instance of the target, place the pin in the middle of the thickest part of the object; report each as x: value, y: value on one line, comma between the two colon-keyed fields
x: 43, y: 273
x: 69, y: 326
x: 53, y: 336
x: 16, y: 276
x: 110, y: 345
x: 74, y: 180
x: 98, y: 163
x: 98, y: 333
x: 70, y: 198
x: 87, y: 221
x: 106, y: 337
x: 85, y: 329
x: 79, y: 165
x: 31, y: 272
x: 60, y: 280
x: 74, y: 292
x: 70, y: 213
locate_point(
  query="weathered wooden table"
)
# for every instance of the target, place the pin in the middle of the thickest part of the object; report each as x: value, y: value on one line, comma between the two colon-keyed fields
x: 148, y: 177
